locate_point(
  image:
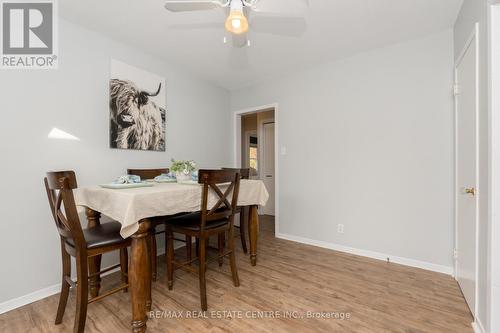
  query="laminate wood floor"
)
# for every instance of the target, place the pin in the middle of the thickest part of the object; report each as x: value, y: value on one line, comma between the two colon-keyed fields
x: 290, y: 279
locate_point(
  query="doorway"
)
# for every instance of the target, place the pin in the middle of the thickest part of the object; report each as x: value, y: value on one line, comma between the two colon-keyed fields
x: 258, y: 151
x: 466, y: 95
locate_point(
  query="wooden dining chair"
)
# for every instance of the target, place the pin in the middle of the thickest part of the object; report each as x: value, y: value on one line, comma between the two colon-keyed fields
x: 83, y: 244
x: 210, y: 221
x: 147, y: 173
x: 243, y: 211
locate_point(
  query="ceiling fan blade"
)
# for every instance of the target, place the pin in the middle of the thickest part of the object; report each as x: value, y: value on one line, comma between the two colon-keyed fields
x: 280, y: 26
x: 191, y: 5
x: 283, y: 7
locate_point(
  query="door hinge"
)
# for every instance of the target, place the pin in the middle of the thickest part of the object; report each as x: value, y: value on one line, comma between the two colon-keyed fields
x: 456, y: 89
x: 455, y: 254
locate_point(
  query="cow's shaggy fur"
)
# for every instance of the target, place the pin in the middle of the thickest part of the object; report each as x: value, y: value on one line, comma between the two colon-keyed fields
x: 136, y: 122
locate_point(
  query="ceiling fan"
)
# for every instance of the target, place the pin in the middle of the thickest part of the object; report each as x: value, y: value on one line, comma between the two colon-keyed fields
x: 278, y: 17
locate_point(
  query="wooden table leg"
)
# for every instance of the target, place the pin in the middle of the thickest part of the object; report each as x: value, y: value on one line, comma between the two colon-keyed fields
x: 149, y: 299
x: 152, y: 246
x: 140, y: 277
x: 243, y: 223
x: 94, y: 263
x: 253, y: 233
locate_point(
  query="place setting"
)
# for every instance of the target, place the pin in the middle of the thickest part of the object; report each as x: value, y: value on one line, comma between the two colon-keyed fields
x: 182, y: 172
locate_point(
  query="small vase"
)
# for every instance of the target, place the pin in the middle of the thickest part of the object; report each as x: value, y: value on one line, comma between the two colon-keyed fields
x: 182, y: 177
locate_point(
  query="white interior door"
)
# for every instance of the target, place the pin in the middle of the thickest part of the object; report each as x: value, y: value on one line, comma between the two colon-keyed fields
x: 466, y: 148
x: 267, y: 163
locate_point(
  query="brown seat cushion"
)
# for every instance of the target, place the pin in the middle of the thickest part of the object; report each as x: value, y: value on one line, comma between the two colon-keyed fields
x: 102, y: 235
x: 191, y: 221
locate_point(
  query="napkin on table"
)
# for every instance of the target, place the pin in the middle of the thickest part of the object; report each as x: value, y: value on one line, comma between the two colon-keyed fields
x: 128, y: 179
x: 165, y: 176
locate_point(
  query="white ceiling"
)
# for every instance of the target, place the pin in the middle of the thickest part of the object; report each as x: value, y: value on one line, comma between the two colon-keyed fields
x: 335, y: 29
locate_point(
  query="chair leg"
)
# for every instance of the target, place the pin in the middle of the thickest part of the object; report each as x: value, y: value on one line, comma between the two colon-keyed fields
x: 221, y: 242
x: 203, y: 285
x: 154, y: 268
x: 63, y: 297
x: 82, y: 294
x: 232, y: 257
x: 169, y: 238
x: 243, y: 220
x: 197, y: 243
x: 189, y: 256
x: 124, y: 266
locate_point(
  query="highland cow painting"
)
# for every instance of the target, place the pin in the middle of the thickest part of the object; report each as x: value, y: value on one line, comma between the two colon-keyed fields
x: 137, y: 108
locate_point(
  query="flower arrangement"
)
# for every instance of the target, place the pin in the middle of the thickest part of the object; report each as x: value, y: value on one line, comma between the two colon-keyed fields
x: 183, y: 169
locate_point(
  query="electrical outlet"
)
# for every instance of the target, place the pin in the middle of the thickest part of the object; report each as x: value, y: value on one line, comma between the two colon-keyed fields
x: 340, y: 228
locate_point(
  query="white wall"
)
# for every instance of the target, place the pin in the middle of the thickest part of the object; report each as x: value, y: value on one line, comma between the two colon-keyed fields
x: 476, y: 11
x: 369, y: 144
x: 75, y: 99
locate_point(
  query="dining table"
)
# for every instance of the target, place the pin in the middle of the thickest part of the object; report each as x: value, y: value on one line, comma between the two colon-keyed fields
x: 138, y: 209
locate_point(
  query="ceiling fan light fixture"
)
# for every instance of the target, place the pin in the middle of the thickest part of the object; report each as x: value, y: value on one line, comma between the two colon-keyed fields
x: 236, y: 22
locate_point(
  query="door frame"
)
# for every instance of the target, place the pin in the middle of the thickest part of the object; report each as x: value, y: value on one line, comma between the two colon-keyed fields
x: 474, y: 38
x: 493, y: 303
x: 260, y: 131
x: 237, y: 149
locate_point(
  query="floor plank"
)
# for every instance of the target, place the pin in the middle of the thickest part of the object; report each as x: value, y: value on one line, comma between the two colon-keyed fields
x: 290, y: 279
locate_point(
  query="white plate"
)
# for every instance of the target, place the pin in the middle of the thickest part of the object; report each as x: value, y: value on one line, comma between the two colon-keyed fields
x: 122, y: 186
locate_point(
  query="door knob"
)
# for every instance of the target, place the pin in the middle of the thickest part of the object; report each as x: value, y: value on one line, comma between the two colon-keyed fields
x: 470, y: 190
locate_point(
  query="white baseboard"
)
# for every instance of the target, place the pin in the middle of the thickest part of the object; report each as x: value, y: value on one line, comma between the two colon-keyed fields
x: 38, y: 295
x: 52, y: 290
x: 478, y: 327
x: 370, y: 254
x: 29, y: 298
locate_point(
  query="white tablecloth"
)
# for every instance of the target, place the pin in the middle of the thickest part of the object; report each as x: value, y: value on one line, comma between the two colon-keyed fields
x: 129, y: 206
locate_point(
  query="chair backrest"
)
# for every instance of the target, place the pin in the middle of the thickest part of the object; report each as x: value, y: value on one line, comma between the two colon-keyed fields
x: 147, y: 173
x: 244, y: 172
x: 225, y: 207
x: 59, y: 186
